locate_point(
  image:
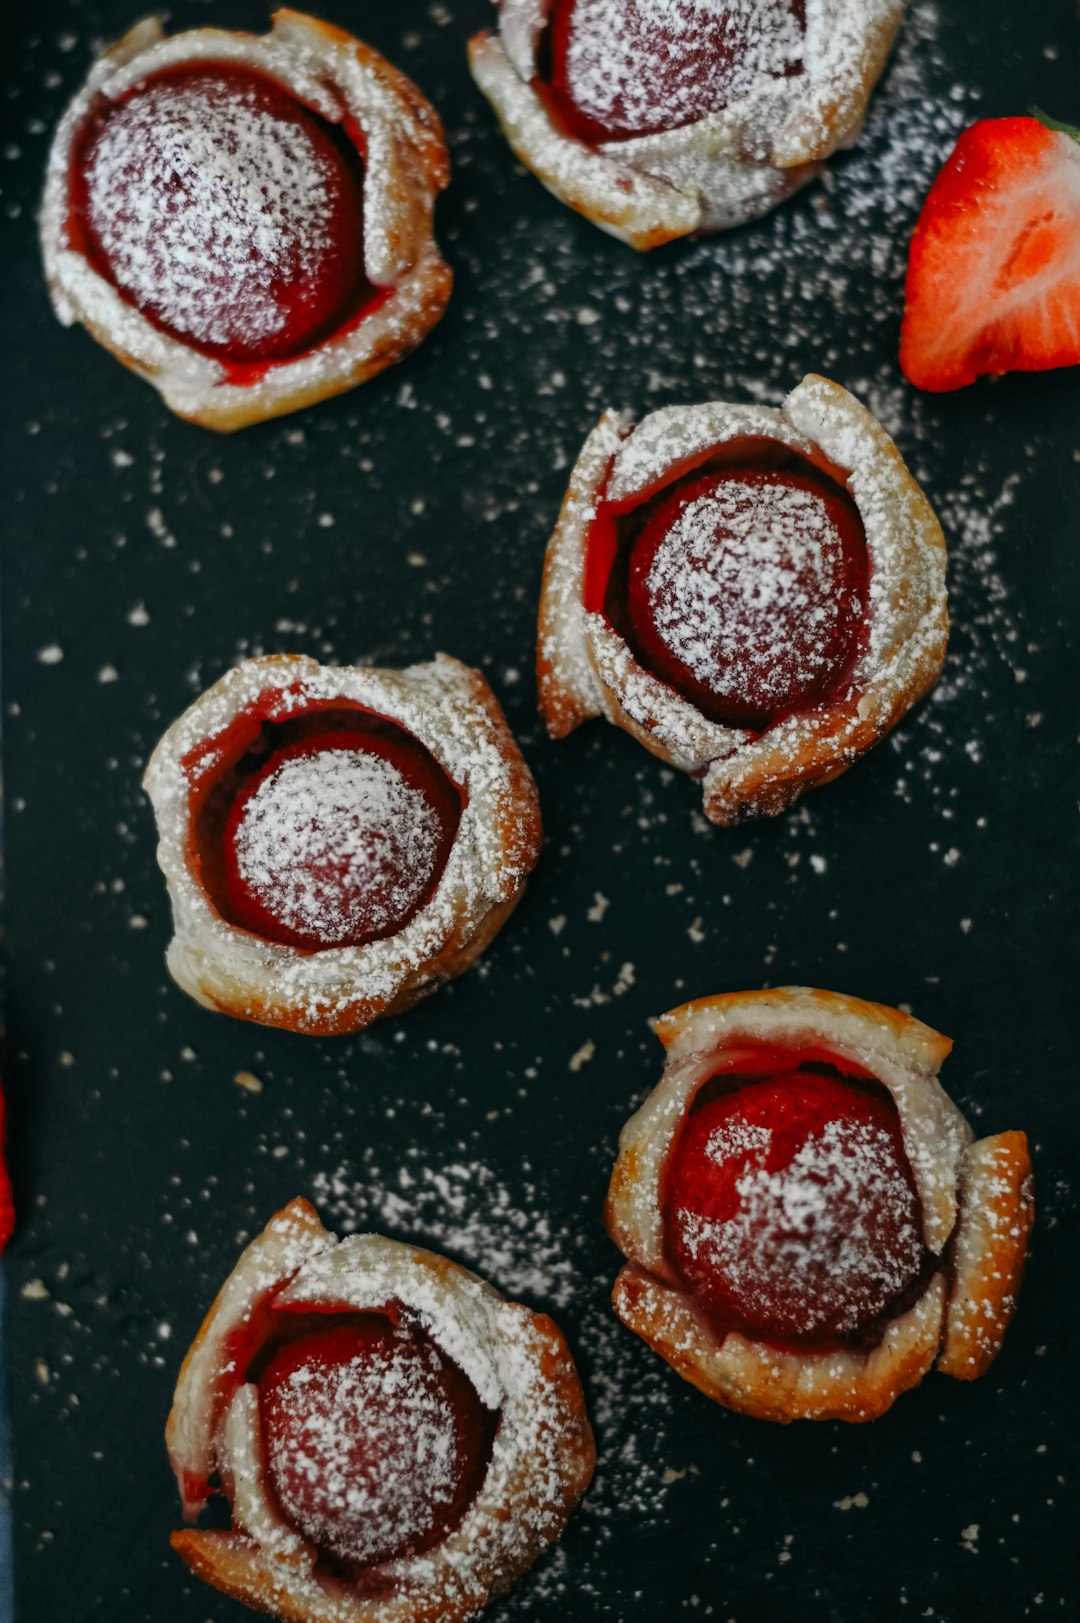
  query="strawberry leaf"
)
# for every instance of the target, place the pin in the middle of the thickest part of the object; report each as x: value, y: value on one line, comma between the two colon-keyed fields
x: 1054, y: 124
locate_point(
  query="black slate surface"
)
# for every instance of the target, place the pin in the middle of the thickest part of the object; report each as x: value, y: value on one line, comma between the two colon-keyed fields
x: 145, y: 556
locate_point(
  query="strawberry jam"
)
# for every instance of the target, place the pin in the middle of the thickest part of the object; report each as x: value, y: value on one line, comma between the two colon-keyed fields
x: 613, y: 69
x: 227, y: 212
x: 375, y: 1442
x: 331, y: 828
x: 742, y: 586
x: 790, y: 1207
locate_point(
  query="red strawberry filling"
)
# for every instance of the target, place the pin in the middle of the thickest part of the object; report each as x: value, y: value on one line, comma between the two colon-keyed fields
x: 613, y: 69
x: 329, y: 829
x: 791, y: 1210
x: 7, y: 1205
x: 375, y: 1442
x: 224, y: 210
x: 743, y: 587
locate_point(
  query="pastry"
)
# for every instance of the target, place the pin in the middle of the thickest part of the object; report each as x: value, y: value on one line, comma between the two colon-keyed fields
x: 808, y: 1223
x: 246, y: 221
x: 659, y: 118
x: 394, y: 1441
x: 338, y: 842
x: 756, y: 595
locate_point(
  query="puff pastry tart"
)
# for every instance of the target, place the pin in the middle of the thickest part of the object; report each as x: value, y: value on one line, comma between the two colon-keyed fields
x: 244, y: 221
x: 659, y: 118
x: 338, y: 842
x: 394, y: 1441
x: 756, y: 595
x: 807, y: 1221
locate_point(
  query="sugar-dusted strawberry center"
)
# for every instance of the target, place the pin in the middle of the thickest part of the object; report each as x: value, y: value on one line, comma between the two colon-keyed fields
x: 338, y: 839
x: 316, y: 822
x: 746, y: 589
x: 223, y: 209
x: 790, y: 1207
x: 375, y: 1442
x: 613, y: 69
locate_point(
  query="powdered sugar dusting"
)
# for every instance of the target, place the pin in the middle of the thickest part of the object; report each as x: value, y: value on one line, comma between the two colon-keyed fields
x: 335, y: 1428
x: 203, y: 202
x: 810, y: 1222
x: 640, y: 65
x: 743, y: 589
x: 463, y: 1206
x: 338, y: 844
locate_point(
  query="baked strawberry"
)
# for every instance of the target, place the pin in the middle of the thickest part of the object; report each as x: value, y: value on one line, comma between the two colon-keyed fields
x: 993, y: 281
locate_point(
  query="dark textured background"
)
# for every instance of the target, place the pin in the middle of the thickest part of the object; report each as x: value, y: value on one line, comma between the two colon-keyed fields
x: 410, y: 516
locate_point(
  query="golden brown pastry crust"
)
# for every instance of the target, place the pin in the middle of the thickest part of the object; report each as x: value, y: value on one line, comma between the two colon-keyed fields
x: 454, y: 713
x: 716, y: 172
x: 585, y: 669
x: 407, y: 167
x: 755, y: 1379
x: 976, y: 1200
x: 988, y: 1254
x: 542, y: 1461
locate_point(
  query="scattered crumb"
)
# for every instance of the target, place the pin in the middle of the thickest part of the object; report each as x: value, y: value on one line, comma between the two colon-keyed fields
x: 851, y: 1501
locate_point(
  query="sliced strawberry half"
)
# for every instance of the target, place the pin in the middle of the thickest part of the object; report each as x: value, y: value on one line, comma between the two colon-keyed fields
x: 993, y: 281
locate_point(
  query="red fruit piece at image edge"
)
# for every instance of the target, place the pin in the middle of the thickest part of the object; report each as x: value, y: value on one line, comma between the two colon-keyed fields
x: 223, y: 209
x: 7, y: 1208
x: 625, y: 68
x: 746, y: 592
x: 790, y: 1207
x: 993, y: 280
x: 375, y: 1442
